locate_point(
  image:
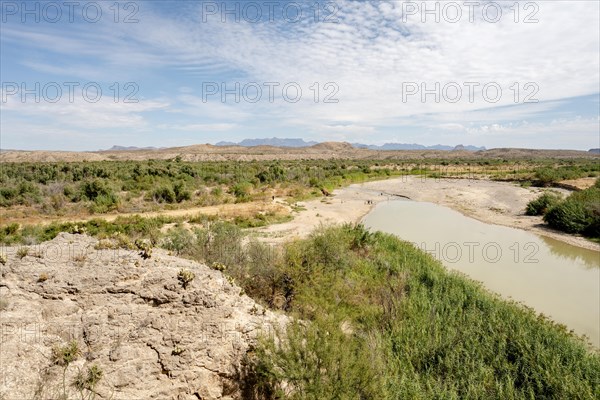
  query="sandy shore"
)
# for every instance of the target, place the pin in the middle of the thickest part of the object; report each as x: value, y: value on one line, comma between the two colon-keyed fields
x: 491, y: 202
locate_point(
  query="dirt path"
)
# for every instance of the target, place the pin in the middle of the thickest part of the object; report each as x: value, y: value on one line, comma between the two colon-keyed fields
x: 491, y: 202
x: 228, y: 210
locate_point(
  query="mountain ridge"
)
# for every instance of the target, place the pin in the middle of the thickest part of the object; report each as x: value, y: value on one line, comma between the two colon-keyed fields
x: 299, y: 142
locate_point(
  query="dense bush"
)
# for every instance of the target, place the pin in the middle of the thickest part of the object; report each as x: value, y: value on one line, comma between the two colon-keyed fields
x: 94, y: 189
x: 100, y: 194
x: 542, y: 204
x: 579, y: 213
x: 164, y: 194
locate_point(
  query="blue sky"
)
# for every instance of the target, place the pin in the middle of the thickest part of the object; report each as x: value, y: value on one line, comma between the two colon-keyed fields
x: 170, y: 71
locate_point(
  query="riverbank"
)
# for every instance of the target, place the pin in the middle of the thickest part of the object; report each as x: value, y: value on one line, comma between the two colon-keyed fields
x: 492, y: 202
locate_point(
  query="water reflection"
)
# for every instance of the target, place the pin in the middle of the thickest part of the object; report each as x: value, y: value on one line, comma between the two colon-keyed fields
x: 589, y: 258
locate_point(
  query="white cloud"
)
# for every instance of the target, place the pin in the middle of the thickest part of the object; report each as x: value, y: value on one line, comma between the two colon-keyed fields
x: 199, y: 127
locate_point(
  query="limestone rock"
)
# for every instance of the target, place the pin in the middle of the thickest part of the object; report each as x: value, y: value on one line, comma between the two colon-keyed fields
x: 151, y: 338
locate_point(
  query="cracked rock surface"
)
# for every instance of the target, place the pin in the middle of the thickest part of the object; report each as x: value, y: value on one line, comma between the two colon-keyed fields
x: 131, y: 317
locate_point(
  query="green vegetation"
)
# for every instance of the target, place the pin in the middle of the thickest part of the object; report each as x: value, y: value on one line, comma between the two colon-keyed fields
x: 100, y: 187
x: 382, y: 320
x: 23, y: 252
x: 375, y: 318
x: 145, y: 248
x: 549, y: 175
x: 85, y: 382
x: 579, y: 213
x: 133, y: 227
x: 63, y: 188
x: 542, y: 204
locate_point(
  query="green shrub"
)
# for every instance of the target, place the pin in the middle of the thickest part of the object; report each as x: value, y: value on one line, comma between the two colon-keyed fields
x: 105, y: 203
x: 181, y: 193
x: 568, y: 216
x: 86, y: 381
x: 318, y: 361
x: 546, y: 177
x: 23, y: 252
x: 94, y: 189
x: 242, y: 191
x: 220, y: 242
x: 145, y: 248
x: 542, y: 204
x: 164, y: 194
x: 178, y: 239
x: 579, y: 213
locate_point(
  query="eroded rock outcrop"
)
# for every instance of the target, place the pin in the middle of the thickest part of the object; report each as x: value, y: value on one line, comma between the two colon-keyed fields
x: 132, y: 318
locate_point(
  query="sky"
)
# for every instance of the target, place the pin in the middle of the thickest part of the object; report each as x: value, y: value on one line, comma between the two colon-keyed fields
x: 86, y: 75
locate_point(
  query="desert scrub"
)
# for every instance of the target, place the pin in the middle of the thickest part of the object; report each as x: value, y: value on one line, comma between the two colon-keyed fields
x: 95, y: 184
x: 145, y: 248
x: 78, y: 230
x: 217, y: 266
x: 177, y: 239
x: 66, y: 354
x: 261, y: 219
x: 85, y: 381
x: 185, y: 277
x: 417, y: 331
x: 132, y: 227
x: 3, y: 259
x: 542, y: 204
x: 23, y: 252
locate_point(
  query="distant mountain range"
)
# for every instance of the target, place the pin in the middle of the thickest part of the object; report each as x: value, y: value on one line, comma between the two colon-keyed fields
x: 299, y: 143
x: 130, y: 148
x: 414, y: 146
x: 277, y: 142
x: 595, y: 151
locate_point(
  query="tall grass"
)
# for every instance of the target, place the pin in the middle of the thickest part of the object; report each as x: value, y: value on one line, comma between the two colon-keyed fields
x: 383, y: 320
